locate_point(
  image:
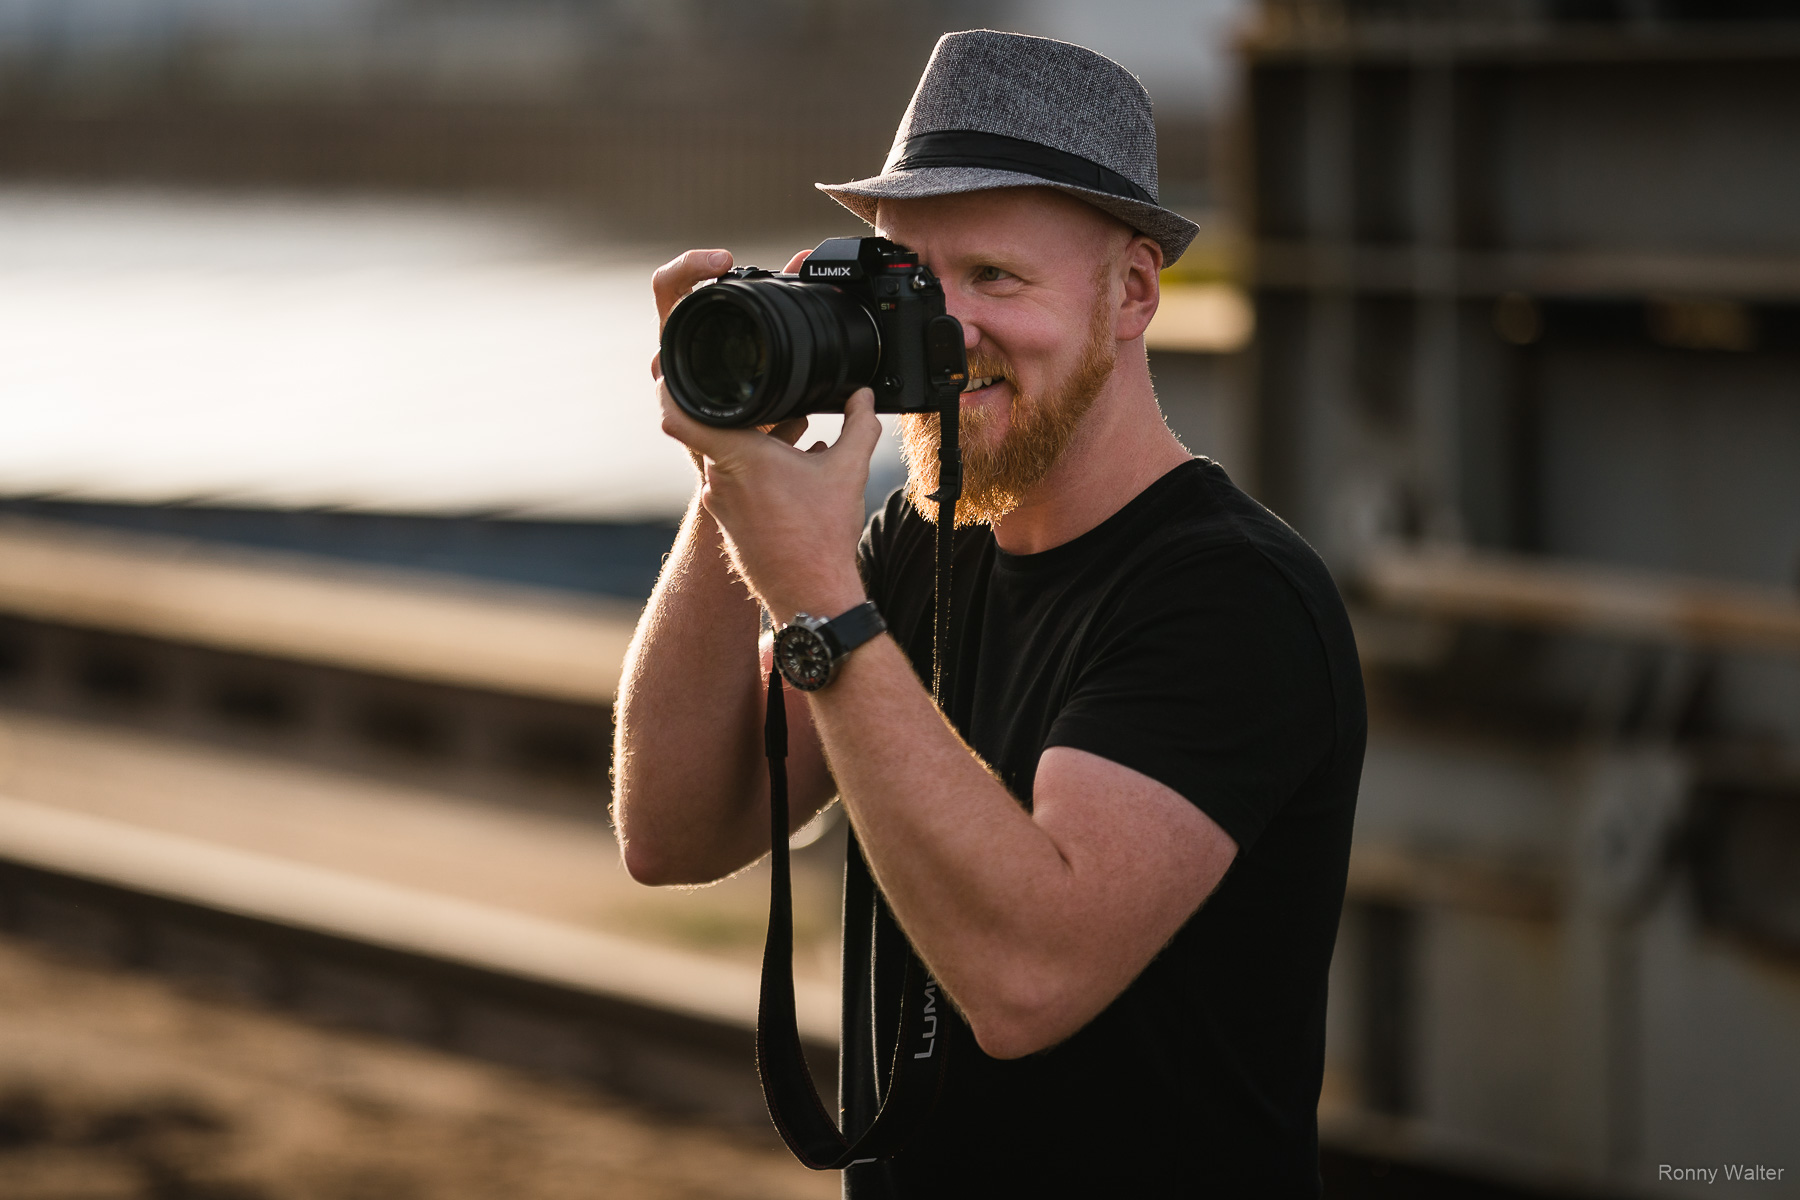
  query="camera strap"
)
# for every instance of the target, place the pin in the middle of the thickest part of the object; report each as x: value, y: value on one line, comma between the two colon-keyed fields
x: 915, y: 1074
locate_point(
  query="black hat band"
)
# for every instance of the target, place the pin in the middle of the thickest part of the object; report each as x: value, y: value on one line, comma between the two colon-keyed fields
x: 970, y: 148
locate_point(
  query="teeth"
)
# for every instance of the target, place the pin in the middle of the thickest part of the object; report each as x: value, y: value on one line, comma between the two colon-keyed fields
x: 979, y: 382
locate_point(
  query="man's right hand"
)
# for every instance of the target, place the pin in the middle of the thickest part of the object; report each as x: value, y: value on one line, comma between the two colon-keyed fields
x: 690, y: 788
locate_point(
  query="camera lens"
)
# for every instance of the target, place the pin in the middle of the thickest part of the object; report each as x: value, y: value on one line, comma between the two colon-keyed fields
x: 728, y: 357
x: 745, y: 352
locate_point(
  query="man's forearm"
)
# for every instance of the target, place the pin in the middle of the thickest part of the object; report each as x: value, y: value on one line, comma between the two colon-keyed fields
x: 688, y: 802
x: 978, y: 885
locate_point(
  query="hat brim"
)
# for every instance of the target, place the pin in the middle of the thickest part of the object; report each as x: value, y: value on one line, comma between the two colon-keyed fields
x: 1172, y: 231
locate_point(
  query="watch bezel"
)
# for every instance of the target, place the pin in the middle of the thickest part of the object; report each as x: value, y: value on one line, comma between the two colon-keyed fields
x: 807, y: 629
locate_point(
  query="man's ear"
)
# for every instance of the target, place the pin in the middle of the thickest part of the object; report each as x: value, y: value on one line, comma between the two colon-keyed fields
x: 1139, y: 269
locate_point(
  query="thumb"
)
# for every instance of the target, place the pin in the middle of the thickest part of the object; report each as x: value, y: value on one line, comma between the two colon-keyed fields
x: 862, y: 428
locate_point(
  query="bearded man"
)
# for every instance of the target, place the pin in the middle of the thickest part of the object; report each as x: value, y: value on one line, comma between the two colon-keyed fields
x: 1121, y: 848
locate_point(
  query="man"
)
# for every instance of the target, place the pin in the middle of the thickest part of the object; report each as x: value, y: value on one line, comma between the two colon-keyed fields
x: 1125, y: 859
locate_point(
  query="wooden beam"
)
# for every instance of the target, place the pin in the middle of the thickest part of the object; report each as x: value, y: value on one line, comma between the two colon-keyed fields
x: 411, y: 624
x: 1397, y: 874
x: 1583, y: 598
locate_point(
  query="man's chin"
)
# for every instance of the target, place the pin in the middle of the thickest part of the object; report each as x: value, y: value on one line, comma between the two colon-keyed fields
x: 984, y: 429
x: 1008, y: 449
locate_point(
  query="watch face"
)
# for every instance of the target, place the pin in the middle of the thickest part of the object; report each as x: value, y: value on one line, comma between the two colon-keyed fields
x: 803, y: 657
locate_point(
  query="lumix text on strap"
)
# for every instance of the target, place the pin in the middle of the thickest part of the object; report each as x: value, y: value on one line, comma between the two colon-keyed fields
x: 909, y: 1088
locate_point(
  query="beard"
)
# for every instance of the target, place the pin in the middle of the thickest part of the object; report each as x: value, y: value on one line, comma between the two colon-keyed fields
x: 997, y: 476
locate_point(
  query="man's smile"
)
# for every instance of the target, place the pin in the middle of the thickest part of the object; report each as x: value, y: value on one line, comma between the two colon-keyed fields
x: 987, y: 397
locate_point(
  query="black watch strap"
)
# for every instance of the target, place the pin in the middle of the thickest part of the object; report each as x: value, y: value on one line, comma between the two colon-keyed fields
x: 851, y: 629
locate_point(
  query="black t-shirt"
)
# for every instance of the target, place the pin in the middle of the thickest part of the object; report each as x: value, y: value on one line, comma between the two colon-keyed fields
x: 1195, y: 638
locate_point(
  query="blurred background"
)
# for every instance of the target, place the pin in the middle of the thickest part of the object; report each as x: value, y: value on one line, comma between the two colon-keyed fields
x: 330, y: 490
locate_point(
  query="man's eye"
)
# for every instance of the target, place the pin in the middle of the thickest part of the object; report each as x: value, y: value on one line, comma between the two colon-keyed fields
x: 989, y: 274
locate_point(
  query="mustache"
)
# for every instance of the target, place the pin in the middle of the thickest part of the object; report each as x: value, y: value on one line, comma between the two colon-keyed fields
x: 983, y: 363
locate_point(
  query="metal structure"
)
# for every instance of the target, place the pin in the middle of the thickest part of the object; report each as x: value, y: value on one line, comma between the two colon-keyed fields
x: 1527, y: 282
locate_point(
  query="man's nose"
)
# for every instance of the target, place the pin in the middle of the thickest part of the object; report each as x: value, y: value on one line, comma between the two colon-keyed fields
x: 954, y: 306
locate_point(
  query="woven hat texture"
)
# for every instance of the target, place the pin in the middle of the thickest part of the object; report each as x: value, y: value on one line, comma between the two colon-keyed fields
x: 1052, y: 94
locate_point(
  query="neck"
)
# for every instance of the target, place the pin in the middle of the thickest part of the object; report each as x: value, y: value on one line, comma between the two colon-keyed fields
x: 1121, y: 447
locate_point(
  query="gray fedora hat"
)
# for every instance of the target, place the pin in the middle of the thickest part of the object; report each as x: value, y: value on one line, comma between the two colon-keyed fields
x: 997, y: 110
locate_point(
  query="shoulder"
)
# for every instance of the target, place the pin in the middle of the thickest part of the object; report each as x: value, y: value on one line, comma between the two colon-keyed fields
x: 1307, y: 584
x: 1229, y: 590
x: 1285, y: 597
x: 1198, y: 539
x: 1219, y: 662
x: 1273, y: 541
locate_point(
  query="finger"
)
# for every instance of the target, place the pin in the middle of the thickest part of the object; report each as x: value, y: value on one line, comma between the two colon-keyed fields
x: 656, y: 366
x: 794, y: 262
x: 677, y: 277
x: 675, y: 422
x: 708, y: 440
x: 862, y: 428
x: 816, y: 447
x: 668, y: 402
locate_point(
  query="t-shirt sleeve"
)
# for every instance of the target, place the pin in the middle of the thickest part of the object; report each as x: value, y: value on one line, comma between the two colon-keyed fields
x: 1210, y: 679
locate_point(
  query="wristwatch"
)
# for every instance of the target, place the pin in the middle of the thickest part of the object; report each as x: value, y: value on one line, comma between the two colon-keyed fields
x: 808, y: 650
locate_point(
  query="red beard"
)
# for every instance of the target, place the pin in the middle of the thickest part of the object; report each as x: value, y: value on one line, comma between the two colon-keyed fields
x: 998, y: 476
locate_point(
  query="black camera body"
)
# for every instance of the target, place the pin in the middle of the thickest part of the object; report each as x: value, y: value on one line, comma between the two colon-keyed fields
x: 757, y: 347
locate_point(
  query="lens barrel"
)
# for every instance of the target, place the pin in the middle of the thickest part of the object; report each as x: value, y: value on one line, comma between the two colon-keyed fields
x: 744, y: 352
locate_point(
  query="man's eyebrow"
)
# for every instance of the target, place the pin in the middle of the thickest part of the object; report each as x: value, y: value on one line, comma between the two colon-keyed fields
x: 989, y: 256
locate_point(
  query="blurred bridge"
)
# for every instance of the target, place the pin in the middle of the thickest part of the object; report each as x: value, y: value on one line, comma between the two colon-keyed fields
x: 1528, y: 300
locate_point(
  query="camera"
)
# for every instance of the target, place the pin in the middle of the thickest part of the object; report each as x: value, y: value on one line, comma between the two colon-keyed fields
x: 756, y: 347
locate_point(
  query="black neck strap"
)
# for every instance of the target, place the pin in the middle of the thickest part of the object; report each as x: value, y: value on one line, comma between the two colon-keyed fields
x: 916, y: 1074
x: 972, y: 148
